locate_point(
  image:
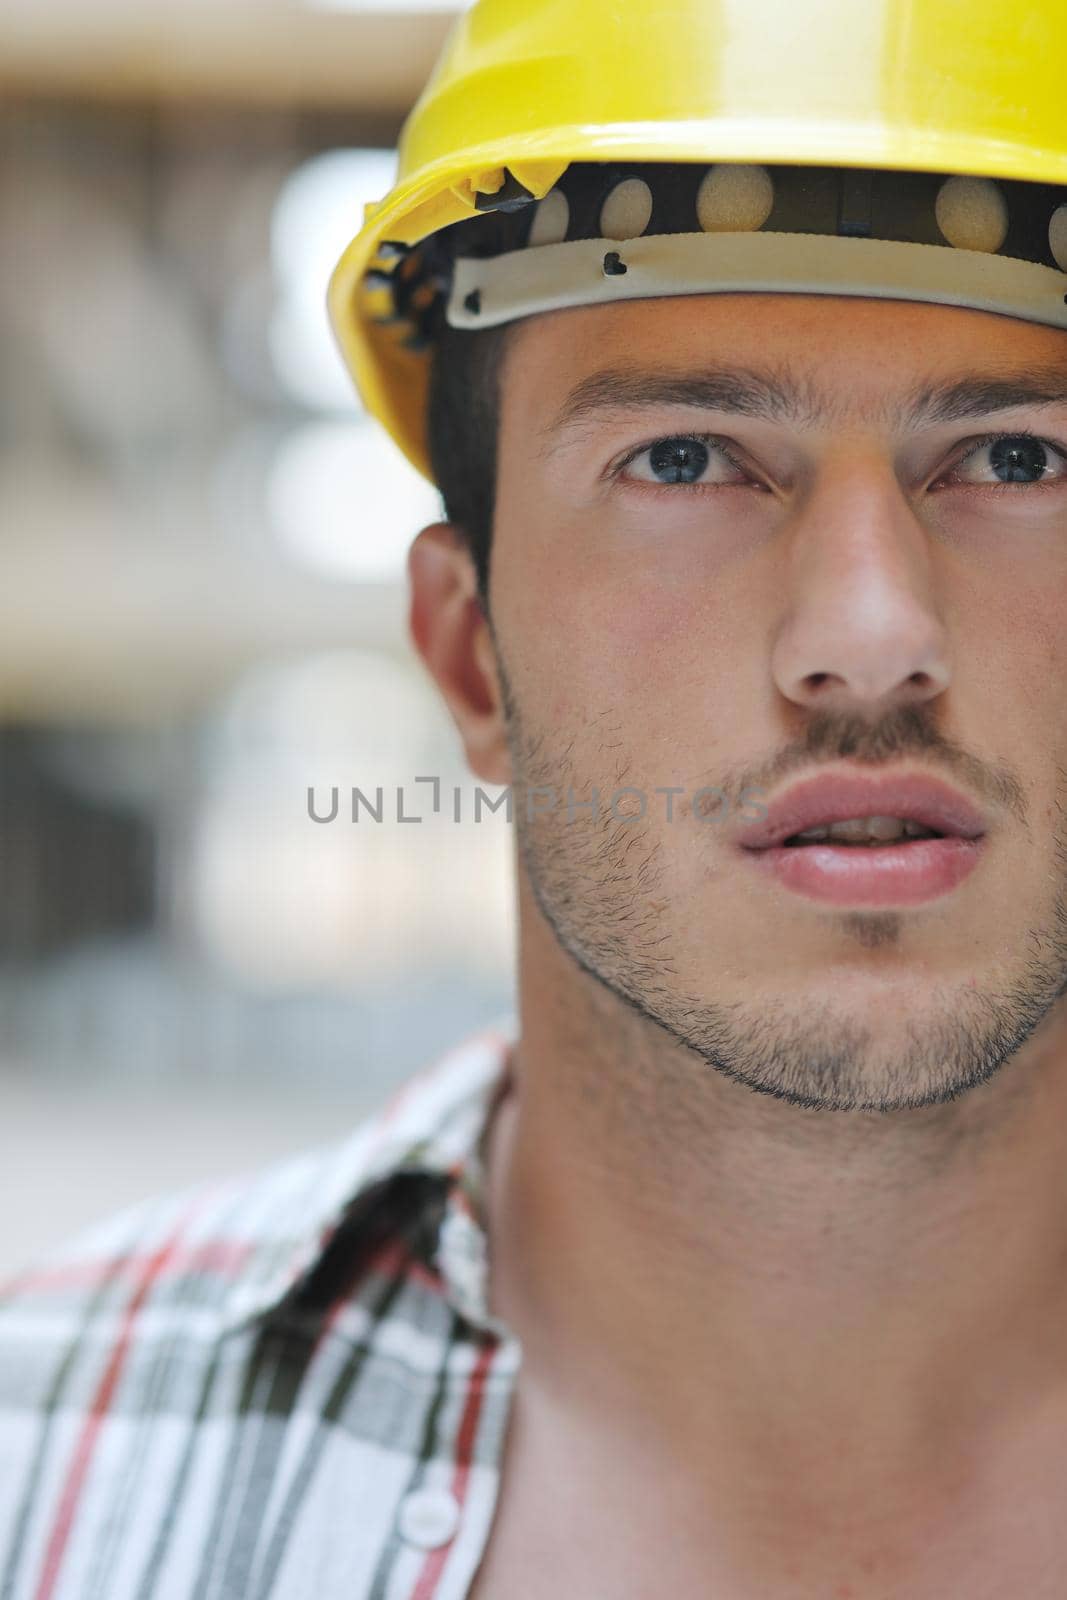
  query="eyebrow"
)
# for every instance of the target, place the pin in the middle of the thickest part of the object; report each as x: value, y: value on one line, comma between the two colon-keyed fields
x: 779, y: 395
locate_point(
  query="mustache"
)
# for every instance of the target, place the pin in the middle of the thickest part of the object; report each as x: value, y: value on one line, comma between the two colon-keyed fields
x: 904, y: 731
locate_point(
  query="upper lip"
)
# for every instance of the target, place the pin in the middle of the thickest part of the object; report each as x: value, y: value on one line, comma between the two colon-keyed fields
x: 834, y: 797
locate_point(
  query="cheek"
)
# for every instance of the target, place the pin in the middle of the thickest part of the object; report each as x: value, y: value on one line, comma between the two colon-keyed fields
x: 606, y: 614
x: 1022, y: 646
x: 640, y: 653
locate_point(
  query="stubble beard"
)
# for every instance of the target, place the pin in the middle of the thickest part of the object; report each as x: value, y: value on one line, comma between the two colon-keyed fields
x: 599, y: 882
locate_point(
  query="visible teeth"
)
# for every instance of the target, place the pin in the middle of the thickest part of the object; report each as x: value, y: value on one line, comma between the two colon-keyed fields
x: 884, y: 827
x: 863, y: 830
x: 858, y: 829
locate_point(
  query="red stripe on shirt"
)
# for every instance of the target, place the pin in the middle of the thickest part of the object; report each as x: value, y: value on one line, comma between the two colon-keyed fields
x: 222, y: 1256
x: 433, y: 1566
x: 68, y: 1500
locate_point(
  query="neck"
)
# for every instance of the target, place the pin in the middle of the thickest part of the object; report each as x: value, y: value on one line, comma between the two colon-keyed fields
x: 691, y: 1259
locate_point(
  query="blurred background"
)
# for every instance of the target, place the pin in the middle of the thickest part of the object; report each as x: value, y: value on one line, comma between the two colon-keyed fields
x: 203, y: 615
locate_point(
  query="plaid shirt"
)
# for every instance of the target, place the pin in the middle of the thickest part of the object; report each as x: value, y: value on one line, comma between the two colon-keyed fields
x: 287, y: 1385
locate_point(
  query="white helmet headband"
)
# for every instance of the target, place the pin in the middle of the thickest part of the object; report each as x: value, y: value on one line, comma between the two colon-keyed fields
x: 612, y: 231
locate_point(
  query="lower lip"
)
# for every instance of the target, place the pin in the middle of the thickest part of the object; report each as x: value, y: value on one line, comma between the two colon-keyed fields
x: 875, y: 875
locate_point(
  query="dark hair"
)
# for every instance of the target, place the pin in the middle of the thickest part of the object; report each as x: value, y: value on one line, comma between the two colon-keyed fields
x: 462, y: 421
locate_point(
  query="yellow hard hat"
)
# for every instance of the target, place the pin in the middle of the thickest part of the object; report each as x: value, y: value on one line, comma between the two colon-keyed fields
x: 763, y: 100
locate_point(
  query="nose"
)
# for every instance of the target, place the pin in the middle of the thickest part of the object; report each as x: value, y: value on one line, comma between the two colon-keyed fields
x: 861, y: 631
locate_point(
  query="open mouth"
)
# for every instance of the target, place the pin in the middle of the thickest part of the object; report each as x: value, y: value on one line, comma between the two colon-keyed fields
x: 848, y: 840
x: 864, y: 833
x: 871, y: 861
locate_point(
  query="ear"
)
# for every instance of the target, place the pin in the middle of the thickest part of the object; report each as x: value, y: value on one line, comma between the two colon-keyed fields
x: 452, y: 636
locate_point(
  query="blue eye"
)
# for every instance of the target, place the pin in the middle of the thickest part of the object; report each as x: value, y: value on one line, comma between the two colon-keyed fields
x: 683, y: 459
x: 678, y: 460
x: 1011, y: 458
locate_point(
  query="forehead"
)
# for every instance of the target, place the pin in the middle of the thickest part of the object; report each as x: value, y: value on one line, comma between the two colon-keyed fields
x: 804, y: 361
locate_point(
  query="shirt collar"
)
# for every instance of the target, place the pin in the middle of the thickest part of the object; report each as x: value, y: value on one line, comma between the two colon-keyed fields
x: 432, y: 1125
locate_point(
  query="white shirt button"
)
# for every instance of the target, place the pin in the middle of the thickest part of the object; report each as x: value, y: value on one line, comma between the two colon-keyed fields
x: 429, y: 1517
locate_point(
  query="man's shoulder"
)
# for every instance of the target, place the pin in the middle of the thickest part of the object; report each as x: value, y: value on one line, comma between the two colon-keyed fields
x: 217, y: 1252
x: 196, y: 1391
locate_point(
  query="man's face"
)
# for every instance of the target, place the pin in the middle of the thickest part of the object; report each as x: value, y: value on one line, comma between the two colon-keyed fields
x: 845, y: 583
